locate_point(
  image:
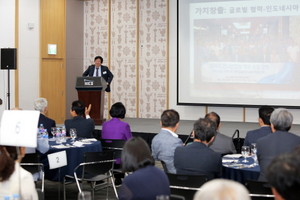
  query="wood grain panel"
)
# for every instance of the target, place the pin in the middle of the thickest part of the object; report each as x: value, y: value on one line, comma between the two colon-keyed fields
x: 52, y: 68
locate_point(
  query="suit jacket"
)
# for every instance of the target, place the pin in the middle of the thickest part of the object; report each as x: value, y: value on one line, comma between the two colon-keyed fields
x: 272, y: 145
x: 47, y: 123
x: 105, y: 73
x: 163, y: 147
x: 198, y: 159
x: 222, y: 144
x: 116, y: 129
x: 254, y: 135
x: 84, y: 127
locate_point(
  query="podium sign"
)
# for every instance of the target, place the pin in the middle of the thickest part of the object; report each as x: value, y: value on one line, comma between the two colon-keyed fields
x: 91, y: 90
x: 90, y: 83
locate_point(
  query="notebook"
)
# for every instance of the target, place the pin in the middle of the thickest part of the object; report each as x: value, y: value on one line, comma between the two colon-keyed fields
x: 19, y: 128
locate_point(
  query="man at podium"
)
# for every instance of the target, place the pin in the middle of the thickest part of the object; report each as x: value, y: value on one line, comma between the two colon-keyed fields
x: 99, y: 70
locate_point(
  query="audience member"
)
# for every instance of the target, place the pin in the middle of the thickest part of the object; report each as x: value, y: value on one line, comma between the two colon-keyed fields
x: 222, y: 189
x: 280, y: 141
x: 196, y: 158
x: 146, y: 181
x: 84, y: 127
x: 41, y: 104
x: 117, y: 129
x: 166, y: 141
x: 283, y: 174
x: 222, y: 143
x: 264, y: 113
x: 13, y: 178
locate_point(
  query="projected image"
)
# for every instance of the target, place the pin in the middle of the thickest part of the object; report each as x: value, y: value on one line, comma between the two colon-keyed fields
x: 239, y: 52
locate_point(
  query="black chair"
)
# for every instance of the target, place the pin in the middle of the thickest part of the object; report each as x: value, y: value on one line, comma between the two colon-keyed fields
x: 186, y: 185
x: 96, y: 167
x: 117, y: 147
x: 31, y: 163
x: 164, y: 166
x: 259, y: 190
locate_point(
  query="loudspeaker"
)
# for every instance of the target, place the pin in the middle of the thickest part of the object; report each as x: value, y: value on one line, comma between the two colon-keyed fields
x: 9, y: 58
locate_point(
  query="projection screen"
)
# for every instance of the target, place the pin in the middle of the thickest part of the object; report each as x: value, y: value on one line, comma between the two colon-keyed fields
x: 238, y: 53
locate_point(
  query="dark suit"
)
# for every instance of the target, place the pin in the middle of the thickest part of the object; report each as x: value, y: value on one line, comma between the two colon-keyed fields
x: 84, y: 127
x: 272, y: 145
x: 254, y: 135
x: 47, y: 123
x: 222, y: 144
x: 198, y: 159
x: 105, y: 73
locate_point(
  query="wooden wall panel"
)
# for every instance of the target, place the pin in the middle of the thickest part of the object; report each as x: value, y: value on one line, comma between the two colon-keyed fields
x: 52, y: 69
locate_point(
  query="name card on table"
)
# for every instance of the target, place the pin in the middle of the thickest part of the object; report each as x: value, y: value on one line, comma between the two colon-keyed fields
x: 57, y: 160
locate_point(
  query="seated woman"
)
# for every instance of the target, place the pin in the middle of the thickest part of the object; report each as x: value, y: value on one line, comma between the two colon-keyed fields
x: 13, y: 178
x: 115, y: 128
x: 146, y: 181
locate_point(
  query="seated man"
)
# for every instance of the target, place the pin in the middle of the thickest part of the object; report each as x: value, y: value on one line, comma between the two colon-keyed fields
x: 283, y: 175
x: 196, y: 158
x: 264, y: 113
x: 222, y: 143
x: 280, y: 141
x: 220, y: 189
x: 84, y: 127
x: 41, y: 104
x: 165, y: 142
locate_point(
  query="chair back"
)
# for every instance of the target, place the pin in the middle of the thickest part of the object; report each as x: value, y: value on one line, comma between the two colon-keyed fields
x: 259, y: 190
x: 96, y: 163
x: 31, y: 162
x: 115, y: 145
x: 186, y: 185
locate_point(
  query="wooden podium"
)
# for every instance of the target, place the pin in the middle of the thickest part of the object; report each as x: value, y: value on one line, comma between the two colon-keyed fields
x: 91, y: 90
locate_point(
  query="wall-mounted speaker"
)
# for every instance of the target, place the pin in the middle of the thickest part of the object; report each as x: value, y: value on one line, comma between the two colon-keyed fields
x: 9, y: 58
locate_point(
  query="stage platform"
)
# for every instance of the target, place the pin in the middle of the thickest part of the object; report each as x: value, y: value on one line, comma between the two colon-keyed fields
x: 141, y: 125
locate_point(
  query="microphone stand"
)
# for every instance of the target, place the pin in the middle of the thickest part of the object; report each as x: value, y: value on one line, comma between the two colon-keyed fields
x: 187, y: 139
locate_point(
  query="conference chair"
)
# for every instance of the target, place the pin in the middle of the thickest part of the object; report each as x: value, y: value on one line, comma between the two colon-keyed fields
x: 31, y: 162
x: 96, y: 167
x: 186, y: 185
x: 259, y: 190
x: 116, y: 146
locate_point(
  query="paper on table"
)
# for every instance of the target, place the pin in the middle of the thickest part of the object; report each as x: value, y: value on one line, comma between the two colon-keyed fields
x: 233, y: 156
x: 78, y: 144
x: 61, y: 146
x: 226, y: 160
x: 89, y: 140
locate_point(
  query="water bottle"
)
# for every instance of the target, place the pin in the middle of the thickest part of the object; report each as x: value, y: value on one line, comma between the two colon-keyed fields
x: 41, y: 129
x: 6, y: 198
x: 64, y: 134
x: 58, y: 136
x: 16, y: 197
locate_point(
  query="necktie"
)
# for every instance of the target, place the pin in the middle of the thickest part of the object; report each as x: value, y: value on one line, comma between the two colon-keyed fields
x: 97, y: 72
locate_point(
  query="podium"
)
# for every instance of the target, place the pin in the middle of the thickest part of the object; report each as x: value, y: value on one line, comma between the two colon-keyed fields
x: 91, y: 90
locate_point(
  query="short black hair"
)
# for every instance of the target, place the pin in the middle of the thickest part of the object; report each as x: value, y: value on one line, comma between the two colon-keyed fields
x: 118, y: 110
x: 136, y: 154
x: 99, y: 57
x: 78, y: 107
x: 264, y: 113
x: 204, y: 129
x: 283, y: 174
x: 169, y: 118
x: 214, y: 117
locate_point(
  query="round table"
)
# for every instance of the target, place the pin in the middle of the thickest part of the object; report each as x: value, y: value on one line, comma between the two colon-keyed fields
x: 241, y: 174
x: 74, y: 158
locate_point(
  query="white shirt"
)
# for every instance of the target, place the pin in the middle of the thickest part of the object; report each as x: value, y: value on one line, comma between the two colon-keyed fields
x: 172, y: 133
x: 99, y: 71
x: 20, y: 182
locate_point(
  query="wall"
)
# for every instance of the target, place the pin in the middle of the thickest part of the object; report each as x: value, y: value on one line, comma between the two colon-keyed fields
x: 7, y: 39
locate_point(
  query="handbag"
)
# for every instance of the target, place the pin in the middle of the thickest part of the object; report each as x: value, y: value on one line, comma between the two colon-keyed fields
x: 237, y: 141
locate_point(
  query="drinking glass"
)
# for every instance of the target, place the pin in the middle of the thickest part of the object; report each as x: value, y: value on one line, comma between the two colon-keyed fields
x: 53, y: 132
x: 254, y: 153
x: 84, y: 195
x: 73, y: 134
x: 245, y: 153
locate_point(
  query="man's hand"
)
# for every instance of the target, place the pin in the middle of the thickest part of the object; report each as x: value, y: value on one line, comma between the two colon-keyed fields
x: 88, y: 109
